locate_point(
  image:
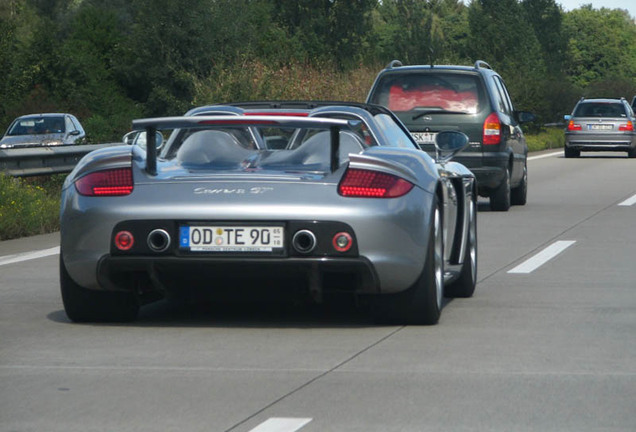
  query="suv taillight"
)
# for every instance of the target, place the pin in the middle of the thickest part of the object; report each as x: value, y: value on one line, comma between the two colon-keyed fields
x: 113, y: 182
x: 574, y: 126
x: 492, y: 130
x: 627, y: 127
x: 372, y: 184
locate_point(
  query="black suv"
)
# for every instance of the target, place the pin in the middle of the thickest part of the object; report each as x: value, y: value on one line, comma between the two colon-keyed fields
x: 473, y: 100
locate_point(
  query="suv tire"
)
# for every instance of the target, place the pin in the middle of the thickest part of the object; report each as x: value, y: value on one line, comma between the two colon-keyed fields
x: 519, y: 195
x: 500, y: 197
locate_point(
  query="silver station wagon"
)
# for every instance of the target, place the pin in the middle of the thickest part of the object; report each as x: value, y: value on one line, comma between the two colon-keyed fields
x: 600, y: 125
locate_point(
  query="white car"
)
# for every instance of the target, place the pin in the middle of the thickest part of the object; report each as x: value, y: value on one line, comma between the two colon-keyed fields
x: 34, y: 130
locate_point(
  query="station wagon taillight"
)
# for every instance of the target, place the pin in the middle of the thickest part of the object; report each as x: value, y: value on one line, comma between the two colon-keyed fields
x: 112, y: 182
x: 574, y: 126
x: 492, y: 130
x: 372, y: 184
x: 627, y: 127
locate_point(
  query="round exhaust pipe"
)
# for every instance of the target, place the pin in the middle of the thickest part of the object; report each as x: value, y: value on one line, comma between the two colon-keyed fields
x: 304, y: 241
x: 158, y: 240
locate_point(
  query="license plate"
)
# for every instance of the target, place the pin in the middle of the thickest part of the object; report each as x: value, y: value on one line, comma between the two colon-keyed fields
x: 424, y: 137
x: 231, y: 238
x: 600, y: 127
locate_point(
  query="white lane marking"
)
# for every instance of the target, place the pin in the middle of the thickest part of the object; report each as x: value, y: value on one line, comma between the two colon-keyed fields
x: 10, y: 259
x: 547, y: 155
x: 629, y: 201
x: 281, y: 424
x: 542, y: 257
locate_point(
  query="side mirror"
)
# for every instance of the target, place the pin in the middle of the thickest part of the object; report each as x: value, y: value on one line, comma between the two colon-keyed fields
x: 139, y: 138
x: 567, y: 117
x: 448, y: 144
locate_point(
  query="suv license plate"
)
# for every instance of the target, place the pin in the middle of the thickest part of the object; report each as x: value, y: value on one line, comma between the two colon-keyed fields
x: 424, y: 137
x: 231, y: 238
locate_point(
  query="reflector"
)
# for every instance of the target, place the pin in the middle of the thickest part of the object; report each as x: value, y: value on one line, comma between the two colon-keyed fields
x: 124, y: 240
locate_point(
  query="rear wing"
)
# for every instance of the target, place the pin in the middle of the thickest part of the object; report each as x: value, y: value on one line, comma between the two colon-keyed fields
x: 152, y: 125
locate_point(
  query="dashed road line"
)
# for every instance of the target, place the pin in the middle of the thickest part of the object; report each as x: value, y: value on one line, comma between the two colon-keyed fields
x: 628, y: 202
x: 281, y: 424
x: 542, y: 257
x: 26, y: 256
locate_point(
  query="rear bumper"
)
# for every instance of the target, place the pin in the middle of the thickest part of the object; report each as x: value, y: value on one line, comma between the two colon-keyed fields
x: 231, y: 279
x: 598, y: 142
x: 489, y: 168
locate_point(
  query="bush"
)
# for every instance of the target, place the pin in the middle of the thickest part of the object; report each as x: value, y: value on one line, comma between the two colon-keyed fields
x: 547, y: 139
x: 28, y: 207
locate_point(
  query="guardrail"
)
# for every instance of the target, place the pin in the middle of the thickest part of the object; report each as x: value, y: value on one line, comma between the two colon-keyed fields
x: 32, y: 161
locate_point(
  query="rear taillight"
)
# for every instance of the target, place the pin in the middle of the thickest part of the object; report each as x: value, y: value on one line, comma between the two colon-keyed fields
x: 492, y: 130
x: 574, y: 126
x: 113, y: 182
x: 627, y: 127
x: 372, y: 184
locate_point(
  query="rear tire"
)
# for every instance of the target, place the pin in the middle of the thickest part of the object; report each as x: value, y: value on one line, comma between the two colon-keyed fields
x: 465, y: 285
x: 84, y: 305
x: 631, y: 153
x: 422, y: 302
x: 519, y: 195
x: 500, y: 197
x: 571, y: 153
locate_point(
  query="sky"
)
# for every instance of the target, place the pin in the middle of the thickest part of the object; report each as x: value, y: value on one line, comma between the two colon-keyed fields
x: 630, y: 5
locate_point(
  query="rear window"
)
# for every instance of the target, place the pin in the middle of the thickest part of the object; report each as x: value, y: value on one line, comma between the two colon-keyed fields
x: 600, y: 109
x: 430, y: 91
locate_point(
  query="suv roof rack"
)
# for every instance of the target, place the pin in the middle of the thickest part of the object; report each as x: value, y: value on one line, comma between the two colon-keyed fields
x: 394, y: 63
x: 481, y: 63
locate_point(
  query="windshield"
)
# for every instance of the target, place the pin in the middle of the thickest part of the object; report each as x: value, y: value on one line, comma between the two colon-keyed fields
x: 430, y: 92
x: 37, y: 126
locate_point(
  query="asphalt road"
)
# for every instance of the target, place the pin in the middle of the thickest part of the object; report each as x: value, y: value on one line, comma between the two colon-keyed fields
x: 548, y: 342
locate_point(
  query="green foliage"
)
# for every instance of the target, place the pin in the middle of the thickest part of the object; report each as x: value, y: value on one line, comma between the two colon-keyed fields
x: 601, y: 46
x: 109, y: 61
x: 26, y: 208
x: 549, y: 138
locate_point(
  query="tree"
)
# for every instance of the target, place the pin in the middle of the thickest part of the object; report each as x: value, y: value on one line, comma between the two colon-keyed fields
x: 501, y: 35
x: 601, y: 46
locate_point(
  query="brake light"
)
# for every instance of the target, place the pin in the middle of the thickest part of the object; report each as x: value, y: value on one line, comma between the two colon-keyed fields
x: 237, y: 122
x: 372, y: 184
x: 492, y: 130
x: 278, y: 113
x: 574, y: 126
x: 627, y: 127
x: 113, y: 182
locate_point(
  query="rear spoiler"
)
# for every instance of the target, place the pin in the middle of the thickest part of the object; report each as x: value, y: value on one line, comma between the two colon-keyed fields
x: 152, y: 125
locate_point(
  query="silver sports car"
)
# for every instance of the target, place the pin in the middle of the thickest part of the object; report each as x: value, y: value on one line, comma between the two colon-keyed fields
x: 268, y: 200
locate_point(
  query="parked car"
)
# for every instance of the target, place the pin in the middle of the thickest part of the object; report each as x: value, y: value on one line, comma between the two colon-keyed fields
x: 600, y: 125
x: 350, y: 205
x: 473, y: 100
x: 43, y: 130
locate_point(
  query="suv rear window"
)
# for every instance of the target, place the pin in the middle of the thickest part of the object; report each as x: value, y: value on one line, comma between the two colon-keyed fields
x: 432, y: 91
x: 600, y: 109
